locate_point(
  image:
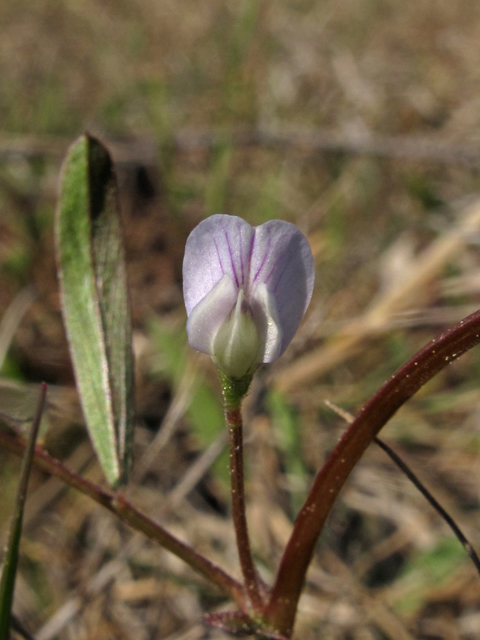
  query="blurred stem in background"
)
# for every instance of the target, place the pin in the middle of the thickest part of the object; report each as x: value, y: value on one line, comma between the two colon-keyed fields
x: 119, y: 505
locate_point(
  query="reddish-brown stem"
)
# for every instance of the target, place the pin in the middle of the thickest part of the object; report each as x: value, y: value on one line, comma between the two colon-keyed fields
x: 233, y: 418
x: 373, y: 416
x: 118, y: 504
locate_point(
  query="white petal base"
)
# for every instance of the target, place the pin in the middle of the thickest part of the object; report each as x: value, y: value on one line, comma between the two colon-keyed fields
x: 208, y: 316
x: 266, y: 317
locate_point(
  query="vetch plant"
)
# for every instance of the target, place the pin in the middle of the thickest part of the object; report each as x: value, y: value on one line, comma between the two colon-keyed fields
x: 246, y: 291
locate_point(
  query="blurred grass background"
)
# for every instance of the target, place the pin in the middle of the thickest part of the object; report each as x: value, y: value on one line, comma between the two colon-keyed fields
x: 359, y: 121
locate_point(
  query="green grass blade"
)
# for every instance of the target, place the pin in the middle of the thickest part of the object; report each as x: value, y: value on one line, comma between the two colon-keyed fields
x: 9, y: 569
x: 94, y: 301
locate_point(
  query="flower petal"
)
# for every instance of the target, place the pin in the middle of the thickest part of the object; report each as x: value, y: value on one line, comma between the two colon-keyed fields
x: 282, y: 260
x: 268, y: 324
x: 220, y: 245
x: 210, y: 313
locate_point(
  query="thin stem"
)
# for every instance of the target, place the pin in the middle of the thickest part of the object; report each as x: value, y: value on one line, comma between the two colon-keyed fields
x: 435, y: 356
x: 233, y: 418
x: 10, y: 564
x: 402, y: 465
x: 119, y: 505
x: 432, y: 500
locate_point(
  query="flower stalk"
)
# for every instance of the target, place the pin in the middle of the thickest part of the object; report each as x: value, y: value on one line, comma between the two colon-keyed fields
x: 233, y: 392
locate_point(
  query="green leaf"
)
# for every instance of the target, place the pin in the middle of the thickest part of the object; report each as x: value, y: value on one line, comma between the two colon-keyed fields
x: 9, y: 569
x: 95, y: 301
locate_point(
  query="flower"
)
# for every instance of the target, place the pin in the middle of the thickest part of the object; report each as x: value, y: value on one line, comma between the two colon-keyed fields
x: 246, y: 290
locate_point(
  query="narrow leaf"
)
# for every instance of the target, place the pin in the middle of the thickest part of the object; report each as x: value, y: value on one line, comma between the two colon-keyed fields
x: 95, y: 302
x: 10, y: 562
x: 111, y: 280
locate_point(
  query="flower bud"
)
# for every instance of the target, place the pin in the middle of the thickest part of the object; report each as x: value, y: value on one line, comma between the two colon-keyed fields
x: 236, y: 345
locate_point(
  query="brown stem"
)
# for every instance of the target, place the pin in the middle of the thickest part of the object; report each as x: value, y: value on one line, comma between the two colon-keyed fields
x: 118, y: 504
x: 372, y: 417
x: 233, y: 418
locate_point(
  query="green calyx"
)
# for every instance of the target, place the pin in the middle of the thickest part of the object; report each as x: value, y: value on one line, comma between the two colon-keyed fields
x: 235, y: 390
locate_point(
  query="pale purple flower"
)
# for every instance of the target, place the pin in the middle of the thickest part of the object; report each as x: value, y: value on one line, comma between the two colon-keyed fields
x: 246, y: 290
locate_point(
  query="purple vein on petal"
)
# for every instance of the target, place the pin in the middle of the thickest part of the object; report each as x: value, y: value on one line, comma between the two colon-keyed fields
x: 285, y: 266
x: 231, y: 258
x: 241, y: 259
x: 250, y: 254
x: 218, y: 256
x: 264, y: 258
x: 272, y: 270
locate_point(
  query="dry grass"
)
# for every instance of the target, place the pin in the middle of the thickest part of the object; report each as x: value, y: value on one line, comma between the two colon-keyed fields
x: 394, y: 231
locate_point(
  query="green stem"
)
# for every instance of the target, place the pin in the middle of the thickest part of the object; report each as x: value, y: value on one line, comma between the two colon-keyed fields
x: 118, y: 504
x: 9, y: 569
